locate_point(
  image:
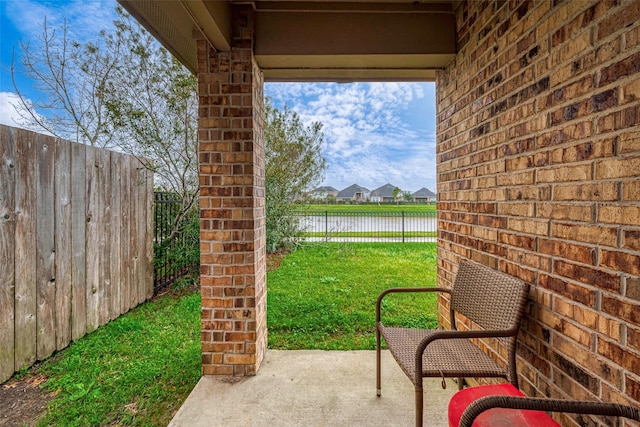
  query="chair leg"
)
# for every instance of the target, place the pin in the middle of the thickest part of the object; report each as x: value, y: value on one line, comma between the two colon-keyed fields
x: 460, y: 383
x: 378, y: 365
x: 419, y: 404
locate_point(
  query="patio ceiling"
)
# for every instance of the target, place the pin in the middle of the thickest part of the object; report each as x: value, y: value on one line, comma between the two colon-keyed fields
x: 315, y: 40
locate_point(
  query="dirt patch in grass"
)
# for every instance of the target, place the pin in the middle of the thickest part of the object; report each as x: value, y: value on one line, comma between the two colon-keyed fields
x: 178, y: 290
x: 274, y: 259
x: 22, y: 401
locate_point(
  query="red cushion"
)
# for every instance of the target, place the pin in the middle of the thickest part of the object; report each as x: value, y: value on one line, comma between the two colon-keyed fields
x: 496, y: 417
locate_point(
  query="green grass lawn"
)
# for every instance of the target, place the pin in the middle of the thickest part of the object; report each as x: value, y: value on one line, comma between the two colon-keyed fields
x: 324, y: 296
x: 138, y: 369
x: 369, y: 208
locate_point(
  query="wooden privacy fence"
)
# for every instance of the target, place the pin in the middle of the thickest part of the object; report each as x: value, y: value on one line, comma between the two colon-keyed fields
x: 75, y: 242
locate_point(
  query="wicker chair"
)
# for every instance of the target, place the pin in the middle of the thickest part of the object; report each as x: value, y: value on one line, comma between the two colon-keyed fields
x: 549, y: 405
x: 492, y: 300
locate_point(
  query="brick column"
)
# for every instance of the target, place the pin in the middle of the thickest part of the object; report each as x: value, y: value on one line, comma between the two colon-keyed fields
x: 232, y: 213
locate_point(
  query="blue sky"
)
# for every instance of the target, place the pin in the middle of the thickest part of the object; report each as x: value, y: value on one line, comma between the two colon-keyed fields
x: 375, y: 132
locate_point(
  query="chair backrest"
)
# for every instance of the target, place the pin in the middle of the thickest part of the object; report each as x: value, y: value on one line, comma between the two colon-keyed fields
x: 492, y: 299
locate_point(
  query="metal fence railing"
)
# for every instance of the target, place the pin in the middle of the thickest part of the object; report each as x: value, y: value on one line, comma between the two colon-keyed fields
x: 168, y: 264
x: 400, y: 226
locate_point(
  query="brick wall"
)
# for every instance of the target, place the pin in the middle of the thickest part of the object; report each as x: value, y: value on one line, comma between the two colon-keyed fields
x: 232, y: 272
x: 539, y: 176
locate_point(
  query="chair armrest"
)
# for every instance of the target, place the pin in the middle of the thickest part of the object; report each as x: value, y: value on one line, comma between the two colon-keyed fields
x: 403, y: 290
x: 549, y: 405
x: 455, y: 334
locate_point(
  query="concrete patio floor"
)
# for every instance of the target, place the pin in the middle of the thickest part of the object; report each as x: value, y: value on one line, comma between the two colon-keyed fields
x: 314, y: 388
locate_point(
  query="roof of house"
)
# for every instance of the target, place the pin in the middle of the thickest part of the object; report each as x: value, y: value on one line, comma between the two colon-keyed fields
x: 351, y: 190
x: 424, y: 192
x: 384, y: 191
x: 326, y: 188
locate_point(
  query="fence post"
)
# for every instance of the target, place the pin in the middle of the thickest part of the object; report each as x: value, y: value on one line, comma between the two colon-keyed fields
x: 326, y: 225
x: 402, y: 226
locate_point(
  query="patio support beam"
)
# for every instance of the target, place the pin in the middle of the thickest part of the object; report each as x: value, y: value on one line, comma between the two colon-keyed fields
x: 354, y: 41
x: 232, y: 215
x: 315, y: 40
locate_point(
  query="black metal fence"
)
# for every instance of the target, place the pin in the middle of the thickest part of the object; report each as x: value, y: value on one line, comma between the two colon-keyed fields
x: 176, y: 253
x: 403, y: 226
x: 169, y: 260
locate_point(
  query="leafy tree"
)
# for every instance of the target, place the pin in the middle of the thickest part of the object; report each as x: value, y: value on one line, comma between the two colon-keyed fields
x: 124, y: 91
x: 294, y: 165
x: 397, y: 194
x: 152, y: 103
x: 72, y: 77
x: 407, y: 196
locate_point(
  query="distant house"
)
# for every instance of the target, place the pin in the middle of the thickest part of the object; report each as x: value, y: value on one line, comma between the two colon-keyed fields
x: 383, y: 194
x: 323, y: 193
x: 424, y: 195
x: 353, y: 193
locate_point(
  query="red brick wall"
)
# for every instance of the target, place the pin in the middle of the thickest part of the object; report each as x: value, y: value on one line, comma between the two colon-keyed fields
x: 232, y: 272
x: 538, y: 151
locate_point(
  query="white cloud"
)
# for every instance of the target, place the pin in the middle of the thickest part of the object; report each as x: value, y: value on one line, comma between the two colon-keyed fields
x: 372, y: 135
x: 9, y: 115
x: 84, y: 18
x: 27, y: 16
